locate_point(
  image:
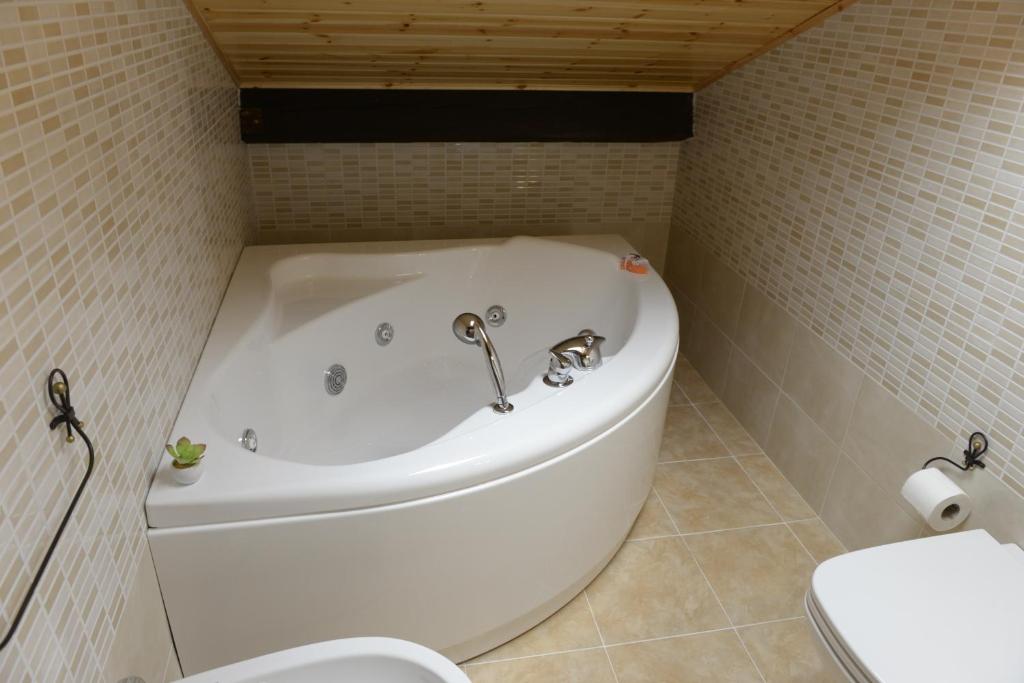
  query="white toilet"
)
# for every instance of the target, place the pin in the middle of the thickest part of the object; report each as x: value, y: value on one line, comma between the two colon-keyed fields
x: 359, y: 660
x: 933, y: 610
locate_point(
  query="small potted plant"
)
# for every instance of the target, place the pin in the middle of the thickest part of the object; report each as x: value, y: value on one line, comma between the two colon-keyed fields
x: 187, y: 460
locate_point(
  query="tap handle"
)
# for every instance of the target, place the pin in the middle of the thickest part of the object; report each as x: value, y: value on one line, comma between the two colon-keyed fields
x: 559, y: 370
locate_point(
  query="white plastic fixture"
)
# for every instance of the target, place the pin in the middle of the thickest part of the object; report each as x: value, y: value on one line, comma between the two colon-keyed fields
x: 943, y: 609
x: 404, y: 506
x: 380, y: 660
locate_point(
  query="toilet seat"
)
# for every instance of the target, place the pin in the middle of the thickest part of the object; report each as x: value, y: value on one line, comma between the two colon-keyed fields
x: 942, y: 609
x: 833, y: 646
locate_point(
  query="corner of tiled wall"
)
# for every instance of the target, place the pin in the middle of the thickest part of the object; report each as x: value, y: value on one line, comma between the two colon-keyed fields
x: 844, y: 441
x: 124, y: 203
x: 846, y: 246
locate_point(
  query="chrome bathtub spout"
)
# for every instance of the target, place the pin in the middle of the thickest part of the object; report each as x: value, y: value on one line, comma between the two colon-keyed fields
x: 469, y: 328
x: 582, y: 352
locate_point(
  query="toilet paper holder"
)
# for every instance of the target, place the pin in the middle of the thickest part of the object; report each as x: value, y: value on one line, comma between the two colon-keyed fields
x: 977, y: 446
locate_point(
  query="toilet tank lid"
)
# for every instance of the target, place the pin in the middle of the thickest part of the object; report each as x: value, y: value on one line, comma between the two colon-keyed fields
x: 945, y: 608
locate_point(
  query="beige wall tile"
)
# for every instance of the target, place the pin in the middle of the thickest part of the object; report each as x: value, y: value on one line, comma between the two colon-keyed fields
x: 687, y: 436
x: 708, y: 351
x: 705, y: 495
x: 721, y: 294
x: 653, y: 589
x: 779, y: 492
x: 823, y: 383
x: 765, y: 333
x: 888, y: 441
x: 889, y: 243
x: 786, y: 652
x: 759, y: 574
x: 816, y: 537
x: 588, y: 666
x: 861, y: 514
x: 124, y: 203
x: 142, y: 639
x: 802, y: 452
x: 704, y: 658
x: 687, y: 311
x: 439, y: 190
x: 997, y: 509
x: 173, y: 671
x: 684, y: 265
x: 570, y: 628
x: 750, y: 396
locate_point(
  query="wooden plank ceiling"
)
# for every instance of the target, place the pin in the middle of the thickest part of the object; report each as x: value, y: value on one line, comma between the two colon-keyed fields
x: 639, y: 45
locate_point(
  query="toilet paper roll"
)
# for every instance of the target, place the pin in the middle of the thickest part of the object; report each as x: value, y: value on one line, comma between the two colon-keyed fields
x: 941, y: 503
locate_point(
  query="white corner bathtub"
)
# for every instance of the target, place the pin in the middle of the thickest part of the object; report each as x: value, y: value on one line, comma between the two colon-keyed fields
x: 405, y: 506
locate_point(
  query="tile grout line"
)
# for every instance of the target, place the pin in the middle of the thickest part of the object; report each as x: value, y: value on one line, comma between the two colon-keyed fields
x: 720, y: 457
x: 707, y: 581
x: 742, y: 469
x: 743, y: 644
x: 758, y: 487
x: 785, y: 522
x: 534, y: 656
x: 721, y: 605
x: 600, y: 635
x: 631, y: 642
x: 716, y: 531
x: 719, y: 436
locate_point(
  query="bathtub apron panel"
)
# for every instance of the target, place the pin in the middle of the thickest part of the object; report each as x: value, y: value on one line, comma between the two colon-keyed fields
x: 460, y: 573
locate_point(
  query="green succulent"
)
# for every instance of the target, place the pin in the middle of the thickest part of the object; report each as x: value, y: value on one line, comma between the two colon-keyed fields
x: 186, y: 453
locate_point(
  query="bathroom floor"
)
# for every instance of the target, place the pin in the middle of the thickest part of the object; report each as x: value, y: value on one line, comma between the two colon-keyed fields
x: 710, y: 584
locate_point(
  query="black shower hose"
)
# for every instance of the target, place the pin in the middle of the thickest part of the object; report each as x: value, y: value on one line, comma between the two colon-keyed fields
x: 59, y: 391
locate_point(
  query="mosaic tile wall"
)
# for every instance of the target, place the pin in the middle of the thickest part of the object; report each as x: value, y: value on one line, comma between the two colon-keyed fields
x: 124, y: 202
x: 354, y: 192
x: 868, y: 176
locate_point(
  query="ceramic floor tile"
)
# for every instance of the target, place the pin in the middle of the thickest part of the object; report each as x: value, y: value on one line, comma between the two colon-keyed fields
x: 687, y: 437
x: 677, y: 397
x: 779, y: 492
x: 706, y: 495
x: 785, y: 652
x: 653, y: 589
x: 728, y: 429
x: 570, y: 628
x: 652, y: 521
x: 816, y: 537
x: 703, y: 658
x: 759, y: 574
x: 588, y: 666
x: 693, y: 385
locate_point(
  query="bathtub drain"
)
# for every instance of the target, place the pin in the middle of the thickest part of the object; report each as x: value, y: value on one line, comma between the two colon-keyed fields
x: 335, y: 378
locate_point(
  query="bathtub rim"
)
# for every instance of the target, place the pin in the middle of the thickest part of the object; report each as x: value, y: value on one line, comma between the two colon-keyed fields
x: 265, y: 488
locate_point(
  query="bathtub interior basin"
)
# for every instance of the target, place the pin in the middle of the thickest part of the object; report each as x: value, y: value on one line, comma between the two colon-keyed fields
x: 380, y: 660
x: 414, y: 417
x: 322, y: 309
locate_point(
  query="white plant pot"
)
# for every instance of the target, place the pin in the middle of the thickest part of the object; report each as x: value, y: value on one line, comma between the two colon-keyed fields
x: 187, y: 475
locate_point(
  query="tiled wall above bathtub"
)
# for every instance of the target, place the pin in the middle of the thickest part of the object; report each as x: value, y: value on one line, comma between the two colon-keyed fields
x: 867, y: 178
x: 355, y: 192
x: 124, y: 202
